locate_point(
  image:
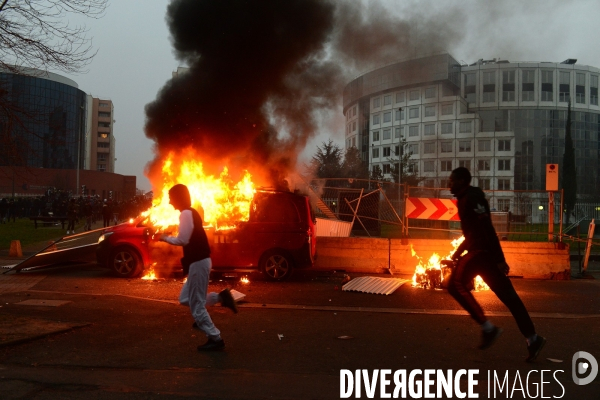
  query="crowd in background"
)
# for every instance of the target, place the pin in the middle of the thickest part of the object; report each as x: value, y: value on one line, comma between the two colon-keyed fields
x: 59, y: 203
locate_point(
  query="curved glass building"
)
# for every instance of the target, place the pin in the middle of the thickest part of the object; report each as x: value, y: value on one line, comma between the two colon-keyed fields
x: 44, y: 122
x: 503, y: 120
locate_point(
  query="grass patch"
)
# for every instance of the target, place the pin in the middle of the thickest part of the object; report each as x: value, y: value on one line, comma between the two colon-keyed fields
x: 24, y: 230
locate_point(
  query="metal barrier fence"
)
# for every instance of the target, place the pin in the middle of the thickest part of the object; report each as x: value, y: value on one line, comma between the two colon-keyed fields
x: 378, y: 209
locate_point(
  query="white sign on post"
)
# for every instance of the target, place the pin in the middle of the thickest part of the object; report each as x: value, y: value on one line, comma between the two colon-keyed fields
x: 552, y: 177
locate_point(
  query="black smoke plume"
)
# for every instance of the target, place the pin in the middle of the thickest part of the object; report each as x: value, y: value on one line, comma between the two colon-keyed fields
x: 264, y: 74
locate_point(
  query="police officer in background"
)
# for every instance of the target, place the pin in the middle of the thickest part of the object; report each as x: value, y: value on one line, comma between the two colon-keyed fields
x: 485, y: 258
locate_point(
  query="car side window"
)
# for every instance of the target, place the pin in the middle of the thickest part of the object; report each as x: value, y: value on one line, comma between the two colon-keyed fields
x: 274, y: 209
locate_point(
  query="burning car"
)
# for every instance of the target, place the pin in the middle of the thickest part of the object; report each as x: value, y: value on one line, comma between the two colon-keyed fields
x: 278, y: 236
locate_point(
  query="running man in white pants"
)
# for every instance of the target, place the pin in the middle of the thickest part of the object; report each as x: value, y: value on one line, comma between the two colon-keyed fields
x: 196, y: 264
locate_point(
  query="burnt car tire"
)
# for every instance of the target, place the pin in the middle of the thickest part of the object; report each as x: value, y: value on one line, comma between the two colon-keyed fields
x: 276, y: 265
x: 125, y: 262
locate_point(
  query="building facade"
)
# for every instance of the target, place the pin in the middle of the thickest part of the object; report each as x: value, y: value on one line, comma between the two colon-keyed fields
x: 44, y: 122
x: 101, y: 140
x: 503, y: 120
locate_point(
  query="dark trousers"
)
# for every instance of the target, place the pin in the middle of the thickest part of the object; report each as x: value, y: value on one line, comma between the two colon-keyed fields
x: 106, y: 221
x: 479, y: 263
x: 71, y: 225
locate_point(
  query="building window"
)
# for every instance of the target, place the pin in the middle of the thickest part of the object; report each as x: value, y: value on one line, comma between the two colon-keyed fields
x: 386, y: 151
x: 594, y: 90
x: 508, y: 85
x: 387, y: 100
x: 413, y: 112
x: 430, y: 93
x: 484, y: 145
x: 413, y: 131
x: 503, y: 144
x: 103, y: 105
x: 465, y: 164
x: 464, y: 146
x: 446, y: 166
x: 504, y: 204
x: 528, y: 85
x: 376, y: 136
x: 103, y: 145
x: 483, y: 165
x: 430, y: 111
x: 429, y: 148
x: 376, y: 169
x: 484, y: 184
x: 387, y: 117
x: 103, y: 135
x: 564, y: 86
x: 489, y: 86
x: 447, y: 109
x: 376, y: 152
x: 503, y: 165
x: 580, y: 88
x: 470, y: 89
x: 503, y: 184
x: 398, y: 132
x: 376, y: 119
x: 413, y: 149
x: 104, y: 114
x: 413, y: 167
x: 428, y: 166
x: 446, y: 127
x: 429, y: 129
x: 387, y: 169
x: 353, y: 126
x: 400, y: 97
x: 397, y: 150
x: 400, y: 115
x: 101, y: 157
x: 101, y: 167
x: 547, y: 85
x: 465, y: 127
x: 376, y: 102
x: 414, y: 95
x: 387, y: 134
x: 354, y: 111
x: 354, y: 142
x: 446, y: 147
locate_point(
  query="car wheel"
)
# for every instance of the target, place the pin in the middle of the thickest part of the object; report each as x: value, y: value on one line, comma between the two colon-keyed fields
x: 276, y: 265
x: 125, y: 262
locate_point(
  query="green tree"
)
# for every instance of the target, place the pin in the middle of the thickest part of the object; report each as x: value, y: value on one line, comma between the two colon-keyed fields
x: 569, y: 171
x: 353, y: 165
x: 401, y: 169
x: 327, y: 162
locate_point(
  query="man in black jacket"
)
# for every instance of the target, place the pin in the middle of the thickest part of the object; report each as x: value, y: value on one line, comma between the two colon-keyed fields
x: 196, y: 264
x: 485, y: 258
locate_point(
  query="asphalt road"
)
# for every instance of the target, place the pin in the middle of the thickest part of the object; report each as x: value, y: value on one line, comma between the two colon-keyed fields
x: 91, y: 336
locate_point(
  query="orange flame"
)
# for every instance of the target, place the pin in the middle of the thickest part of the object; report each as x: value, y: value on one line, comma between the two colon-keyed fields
x: 421, y: 278
x: 220, y: 201
x: 245, y: 280
x: 149, y: 274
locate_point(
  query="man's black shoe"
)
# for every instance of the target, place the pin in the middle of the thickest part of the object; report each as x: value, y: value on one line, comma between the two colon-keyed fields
x: 212, y: 345
x: 489, y: 338
x: 535, y: 348
x: 227, y: 300
x: 195, y: 326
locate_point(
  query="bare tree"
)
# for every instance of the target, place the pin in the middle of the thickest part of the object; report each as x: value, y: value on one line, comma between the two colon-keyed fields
x: 36, y: 34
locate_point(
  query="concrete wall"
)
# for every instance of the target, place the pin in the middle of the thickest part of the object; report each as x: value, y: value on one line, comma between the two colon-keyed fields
x: 538, y: 260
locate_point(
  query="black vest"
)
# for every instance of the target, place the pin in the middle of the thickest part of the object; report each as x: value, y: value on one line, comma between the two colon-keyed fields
x: 197, y: 249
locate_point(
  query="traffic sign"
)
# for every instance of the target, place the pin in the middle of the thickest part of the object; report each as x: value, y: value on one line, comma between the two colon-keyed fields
x: 436, y: 209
